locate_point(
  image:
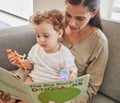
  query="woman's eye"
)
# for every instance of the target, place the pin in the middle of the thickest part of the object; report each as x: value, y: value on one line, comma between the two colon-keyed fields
x: 79, y: 18
x: 67, y: 15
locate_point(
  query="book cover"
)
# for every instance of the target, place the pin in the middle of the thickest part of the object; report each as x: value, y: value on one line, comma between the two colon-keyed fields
x: 59, y: 91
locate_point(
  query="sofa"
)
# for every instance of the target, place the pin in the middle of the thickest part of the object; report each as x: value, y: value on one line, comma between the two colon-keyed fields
x: 21, y: 38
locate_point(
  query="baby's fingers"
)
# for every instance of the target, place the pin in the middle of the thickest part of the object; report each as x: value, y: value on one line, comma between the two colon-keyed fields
x: 11, y: 59
x: 10, y: 56
x: 72, y: 74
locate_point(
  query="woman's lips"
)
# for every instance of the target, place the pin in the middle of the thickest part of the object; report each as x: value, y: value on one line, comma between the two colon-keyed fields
x: 73, y: 28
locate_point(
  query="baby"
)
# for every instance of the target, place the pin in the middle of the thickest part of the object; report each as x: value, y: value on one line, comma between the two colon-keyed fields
x: 48, y: 57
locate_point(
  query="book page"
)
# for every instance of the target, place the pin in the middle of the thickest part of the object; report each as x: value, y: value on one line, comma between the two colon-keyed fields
x: 9, y: 83
x: 58, y: 91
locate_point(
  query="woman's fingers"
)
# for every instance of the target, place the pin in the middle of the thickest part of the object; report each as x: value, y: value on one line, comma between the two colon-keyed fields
x: 51, y: 102
x: 4, y: 96
x: 1, y: 93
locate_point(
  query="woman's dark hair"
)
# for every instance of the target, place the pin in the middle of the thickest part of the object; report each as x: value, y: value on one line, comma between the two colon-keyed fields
x: 92, y: 5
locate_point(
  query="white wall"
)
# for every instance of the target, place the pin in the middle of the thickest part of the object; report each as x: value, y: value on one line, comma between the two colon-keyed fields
x: 106, y: 7
x: 22, y: 8
x: 42, y: 5
x: 25, y: 8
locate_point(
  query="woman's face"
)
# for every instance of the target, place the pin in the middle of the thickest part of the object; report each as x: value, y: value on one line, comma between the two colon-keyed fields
x: 77, y: 17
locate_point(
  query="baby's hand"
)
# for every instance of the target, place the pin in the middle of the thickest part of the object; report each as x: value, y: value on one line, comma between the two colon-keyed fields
x: 67, y: 74
x: 64, y: 74
x: 15, y: 58
x: 72, y: 74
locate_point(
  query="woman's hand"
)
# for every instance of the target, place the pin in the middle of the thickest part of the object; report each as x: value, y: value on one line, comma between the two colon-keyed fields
x: 4, y: 96
x: 51, y: 102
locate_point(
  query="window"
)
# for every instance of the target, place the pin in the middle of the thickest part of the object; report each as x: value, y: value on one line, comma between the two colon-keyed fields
x: 110, y: 9
x: 20, y: 8
x: 116, y: 6
x: 116, y: 10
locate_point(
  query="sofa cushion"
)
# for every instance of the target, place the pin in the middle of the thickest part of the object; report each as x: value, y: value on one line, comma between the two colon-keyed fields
x: 111, y: 82
x: 100, y: 98
x: 19, y: 38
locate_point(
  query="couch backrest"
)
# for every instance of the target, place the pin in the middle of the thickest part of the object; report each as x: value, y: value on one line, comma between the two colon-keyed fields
x: 111, y: 82
x: 19, y: 38
x: 22, y: 39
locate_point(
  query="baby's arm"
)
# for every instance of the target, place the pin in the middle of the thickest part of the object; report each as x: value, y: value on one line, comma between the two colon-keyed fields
x: 70, y: 65
x: 27, y: 64
x: 18, y: 60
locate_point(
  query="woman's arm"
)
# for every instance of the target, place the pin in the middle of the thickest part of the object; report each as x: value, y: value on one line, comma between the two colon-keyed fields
x: 96, y: 69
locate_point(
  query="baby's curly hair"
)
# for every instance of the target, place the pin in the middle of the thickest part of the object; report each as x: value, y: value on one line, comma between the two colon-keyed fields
x: 54, y: 17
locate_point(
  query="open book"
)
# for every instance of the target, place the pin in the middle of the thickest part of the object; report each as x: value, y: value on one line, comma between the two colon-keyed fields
x: 59, y: 91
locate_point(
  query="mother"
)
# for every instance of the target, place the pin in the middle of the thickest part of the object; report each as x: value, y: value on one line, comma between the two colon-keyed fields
x: 84, y: 37
x: 87, y: 42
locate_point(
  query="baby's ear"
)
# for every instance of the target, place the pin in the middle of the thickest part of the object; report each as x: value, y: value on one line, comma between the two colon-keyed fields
x: 60, y: 33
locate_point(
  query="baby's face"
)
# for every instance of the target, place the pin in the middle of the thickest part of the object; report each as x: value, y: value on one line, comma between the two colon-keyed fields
x: 47, y: 37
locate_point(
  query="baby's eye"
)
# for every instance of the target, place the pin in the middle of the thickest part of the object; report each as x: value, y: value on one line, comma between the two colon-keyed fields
x: 38, y: 36
x: 46, y: 36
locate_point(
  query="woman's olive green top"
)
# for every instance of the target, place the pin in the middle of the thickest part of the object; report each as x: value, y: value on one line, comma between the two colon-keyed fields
x: 91, y: 57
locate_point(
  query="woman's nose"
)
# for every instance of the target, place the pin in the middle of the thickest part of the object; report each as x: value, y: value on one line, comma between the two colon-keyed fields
x: 72, y: 22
